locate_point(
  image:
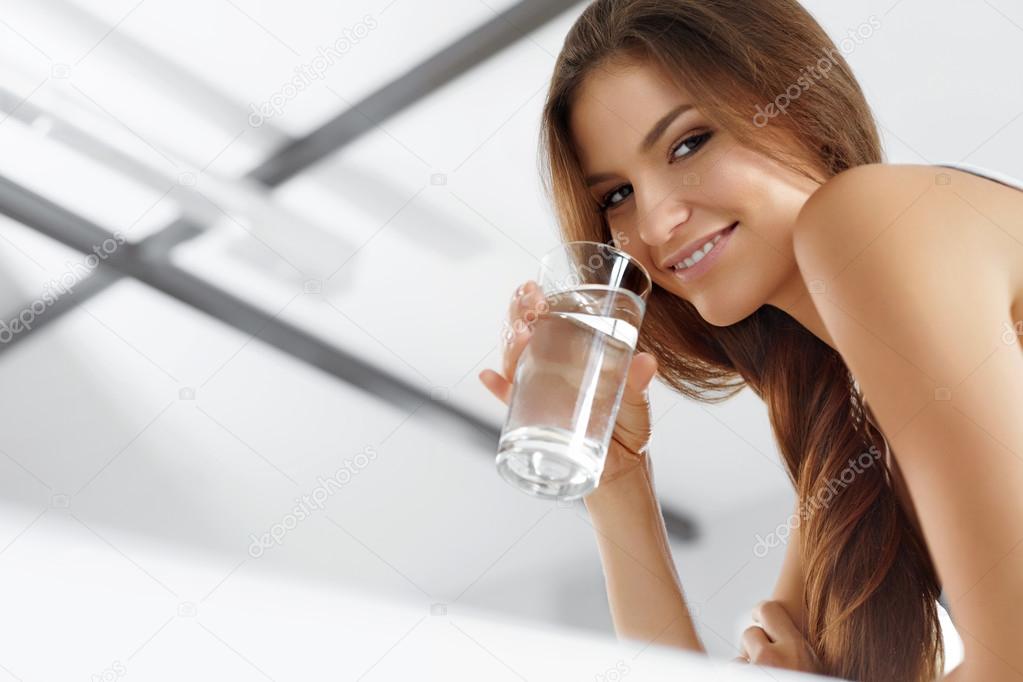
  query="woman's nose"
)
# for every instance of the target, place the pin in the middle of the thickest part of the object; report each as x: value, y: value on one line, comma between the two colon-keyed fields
x: 660, y: 220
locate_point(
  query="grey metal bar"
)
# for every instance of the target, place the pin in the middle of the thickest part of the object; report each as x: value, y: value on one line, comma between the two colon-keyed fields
x: 679, y: 526
x: 101, y: 278
x: 429, y: 75
x: 204, y: 203
x: 98, y: 281
x: 153, y: 267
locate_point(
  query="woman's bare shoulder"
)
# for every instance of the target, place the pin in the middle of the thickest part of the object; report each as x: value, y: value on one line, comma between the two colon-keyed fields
x: 932, y: 214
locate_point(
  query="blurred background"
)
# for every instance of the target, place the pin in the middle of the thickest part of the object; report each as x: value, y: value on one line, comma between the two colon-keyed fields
x: 254, y: 253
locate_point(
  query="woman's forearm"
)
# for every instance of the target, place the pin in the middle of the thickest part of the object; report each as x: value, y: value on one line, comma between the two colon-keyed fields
x: 643, y: 589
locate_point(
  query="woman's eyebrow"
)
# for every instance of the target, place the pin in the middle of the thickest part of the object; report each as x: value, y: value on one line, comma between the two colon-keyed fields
x: 662, y: 125
x: 649, y: 141
x: 598, y: 178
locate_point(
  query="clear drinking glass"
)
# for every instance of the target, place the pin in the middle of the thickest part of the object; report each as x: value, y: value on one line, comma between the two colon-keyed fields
x: 570, y: 377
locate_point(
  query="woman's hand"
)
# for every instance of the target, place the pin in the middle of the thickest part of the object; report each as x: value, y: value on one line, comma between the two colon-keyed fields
x: 631, y: 436
x: 776, y: 641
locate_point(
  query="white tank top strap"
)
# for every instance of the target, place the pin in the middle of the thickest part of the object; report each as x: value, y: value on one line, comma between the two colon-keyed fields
x: 997, y: 176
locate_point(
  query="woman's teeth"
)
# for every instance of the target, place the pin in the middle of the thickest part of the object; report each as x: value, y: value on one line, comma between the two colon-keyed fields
x: 697, y: 255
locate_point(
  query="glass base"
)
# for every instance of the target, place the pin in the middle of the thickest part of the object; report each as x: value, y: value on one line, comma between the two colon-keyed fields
x: 542, y: 462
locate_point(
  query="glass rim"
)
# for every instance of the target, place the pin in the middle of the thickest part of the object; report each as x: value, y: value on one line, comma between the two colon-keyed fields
x: 615, y: 250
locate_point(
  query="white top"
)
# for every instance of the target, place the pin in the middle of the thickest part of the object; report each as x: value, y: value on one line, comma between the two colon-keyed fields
x: 986, y: 173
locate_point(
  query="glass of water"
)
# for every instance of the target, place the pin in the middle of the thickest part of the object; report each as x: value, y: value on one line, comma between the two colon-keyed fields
x: 569, y: 380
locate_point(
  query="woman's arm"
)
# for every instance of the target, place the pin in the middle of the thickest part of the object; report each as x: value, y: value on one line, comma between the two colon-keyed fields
x: 643, y: 589
x: 918, y: 279
x: 778, y: 636
x: 788, y: 591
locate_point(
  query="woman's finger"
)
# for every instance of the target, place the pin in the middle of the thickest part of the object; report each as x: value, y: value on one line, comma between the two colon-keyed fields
x: 513, y: 351
x: 519, y: 302
x: 496, y: 384
x: 515, y: 336
x: 641, y: 372
x: 754, y: 642
x: 516, y: 299
x: 776, y: 622
x: 529, y: 308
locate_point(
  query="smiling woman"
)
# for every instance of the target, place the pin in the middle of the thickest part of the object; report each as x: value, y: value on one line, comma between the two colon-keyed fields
x: 654, y: 138
x: 689, y: 182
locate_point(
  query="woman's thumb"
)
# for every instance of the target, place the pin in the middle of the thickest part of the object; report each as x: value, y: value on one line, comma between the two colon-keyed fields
x: 641, y: 372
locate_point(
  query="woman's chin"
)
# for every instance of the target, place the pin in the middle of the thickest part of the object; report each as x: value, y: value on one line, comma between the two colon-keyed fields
x: 722, y: 316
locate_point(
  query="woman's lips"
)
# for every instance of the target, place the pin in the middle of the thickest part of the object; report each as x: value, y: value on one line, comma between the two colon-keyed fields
x: 707, y: 262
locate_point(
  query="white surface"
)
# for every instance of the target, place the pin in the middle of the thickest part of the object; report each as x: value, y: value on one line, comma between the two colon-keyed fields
x: 109, y: 615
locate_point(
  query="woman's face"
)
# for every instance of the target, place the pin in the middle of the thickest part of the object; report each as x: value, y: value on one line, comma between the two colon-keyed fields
x: 668, y: 181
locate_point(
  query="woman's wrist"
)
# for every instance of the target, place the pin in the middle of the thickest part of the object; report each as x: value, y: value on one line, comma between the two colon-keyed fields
x: 627, y: 489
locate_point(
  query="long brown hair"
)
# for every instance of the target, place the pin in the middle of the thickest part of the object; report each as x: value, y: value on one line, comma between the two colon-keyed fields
x: 870, y: 585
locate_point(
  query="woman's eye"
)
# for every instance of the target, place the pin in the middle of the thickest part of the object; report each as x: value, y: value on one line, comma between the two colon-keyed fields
x: 615, y: 197
x: 681, y: 150
x: 688, y: 145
